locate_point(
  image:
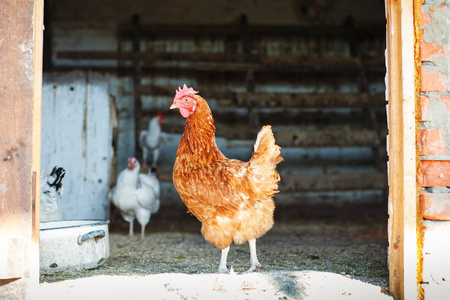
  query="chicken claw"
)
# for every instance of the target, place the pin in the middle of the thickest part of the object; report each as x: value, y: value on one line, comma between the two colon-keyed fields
x: 253, y: 268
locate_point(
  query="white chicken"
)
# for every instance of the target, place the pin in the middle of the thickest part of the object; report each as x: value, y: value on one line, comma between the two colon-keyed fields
x: 136, y: 195
x: 51, y: 193
x: 151, y: 140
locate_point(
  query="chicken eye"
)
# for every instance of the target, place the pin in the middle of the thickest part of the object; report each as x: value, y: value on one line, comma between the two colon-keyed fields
x: 186, y: 99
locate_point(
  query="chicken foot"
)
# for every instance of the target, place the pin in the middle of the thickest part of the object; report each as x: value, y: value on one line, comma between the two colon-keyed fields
x: 254, y: 263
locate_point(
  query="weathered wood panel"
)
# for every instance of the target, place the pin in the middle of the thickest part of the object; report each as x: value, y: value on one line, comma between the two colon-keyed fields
x: 77, y: 135
x: 20, y: 98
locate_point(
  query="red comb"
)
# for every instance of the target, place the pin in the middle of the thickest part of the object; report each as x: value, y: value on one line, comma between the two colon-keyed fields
x: 181, y: 92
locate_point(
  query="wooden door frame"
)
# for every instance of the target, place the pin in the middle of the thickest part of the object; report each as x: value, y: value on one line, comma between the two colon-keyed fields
x: 21, y: 38
x: 402, y: 94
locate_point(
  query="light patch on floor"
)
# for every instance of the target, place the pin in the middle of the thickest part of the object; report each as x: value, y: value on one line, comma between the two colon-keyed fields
x: 306, y: 285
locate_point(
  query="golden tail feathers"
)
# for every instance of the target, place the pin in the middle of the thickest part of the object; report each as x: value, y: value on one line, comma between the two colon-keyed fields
x: 266, y: 156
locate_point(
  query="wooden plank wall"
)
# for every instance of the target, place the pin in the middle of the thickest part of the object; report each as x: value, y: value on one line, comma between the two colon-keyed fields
x: 77, y: 135
x: 21, y: 25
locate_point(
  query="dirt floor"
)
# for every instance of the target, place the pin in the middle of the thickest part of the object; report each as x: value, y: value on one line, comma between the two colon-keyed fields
x: 349, y: 242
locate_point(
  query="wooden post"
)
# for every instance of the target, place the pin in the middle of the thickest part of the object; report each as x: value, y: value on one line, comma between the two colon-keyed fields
x: 402, y: 150
x: 21, y: 28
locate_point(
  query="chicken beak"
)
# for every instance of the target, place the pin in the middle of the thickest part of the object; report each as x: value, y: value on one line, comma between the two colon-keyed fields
x: 174, y: 105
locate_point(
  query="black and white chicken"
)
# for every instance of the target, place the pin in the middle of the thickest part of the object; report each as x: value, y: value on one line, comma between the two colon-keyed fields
x: 51, y: 193
x: 136, y: 195
x: 151, y: 140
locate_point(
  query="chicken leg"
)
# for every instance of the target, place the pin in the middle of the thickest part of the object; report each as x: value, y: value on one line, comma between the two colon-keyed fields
x: 142, y: 232
x: 223, y: 261
x: 254, y: 263
x: 130, y: 232
x: 144, y: 155
x: 130, y: 220
x: 155, y: 158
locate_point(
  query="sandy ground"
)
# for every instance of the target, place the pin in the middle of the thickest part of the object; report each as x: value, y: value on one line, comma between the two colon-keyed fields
x: 263, y: 285
x: 311, y: 253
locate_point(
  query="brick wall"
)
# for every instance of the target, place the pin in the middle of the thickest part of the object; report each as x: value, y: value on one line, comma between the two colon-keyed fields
x: 433, y: 139
x: 434, y: 115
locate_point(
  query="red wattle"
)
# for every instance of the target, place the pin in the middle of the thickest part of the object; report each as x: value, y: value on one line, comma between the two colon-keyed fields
x: 184, y: 112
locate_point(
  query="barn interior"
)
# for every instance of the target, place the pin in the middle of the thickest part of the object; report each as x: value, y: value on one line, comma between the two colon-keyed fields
x: 314, y: 70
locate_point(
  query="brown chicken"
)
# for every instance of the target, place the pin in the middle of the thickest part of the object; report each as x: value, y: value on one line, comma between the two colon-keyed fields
x: 232, y: 198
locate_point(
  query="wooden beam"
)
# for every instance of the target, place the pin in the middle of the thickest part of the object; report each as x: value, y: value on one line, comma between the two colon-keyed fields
x: 225, y: 98
x: 332, y: 182
x: 157, y: 56
x: 320, y: 182
x: 204, y: 67
x: 278, y: 118
x: 332, y: 138
x: 38, y: 33
x: 401, y: 91
x: 224, y: 62
x: 277, y: 100
x: 299, y: 100
x: 149, y: 31
x: 320, y: 138
x: 21, y: 26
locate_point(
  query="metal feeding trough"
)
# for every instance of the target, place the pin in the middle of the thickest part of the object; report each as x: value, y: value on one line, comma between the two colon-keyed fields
x: 73, y: 245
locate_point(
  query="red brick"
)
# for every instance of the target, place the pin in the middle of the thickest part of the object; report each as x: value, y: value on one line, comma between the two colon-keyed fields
x: 434, y: 206
x: 427, y: 106
x: 430, y: 142
x: 434, y: 173
x: 424, y: 109
x: 427, y: 50
x: 432, y: 81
